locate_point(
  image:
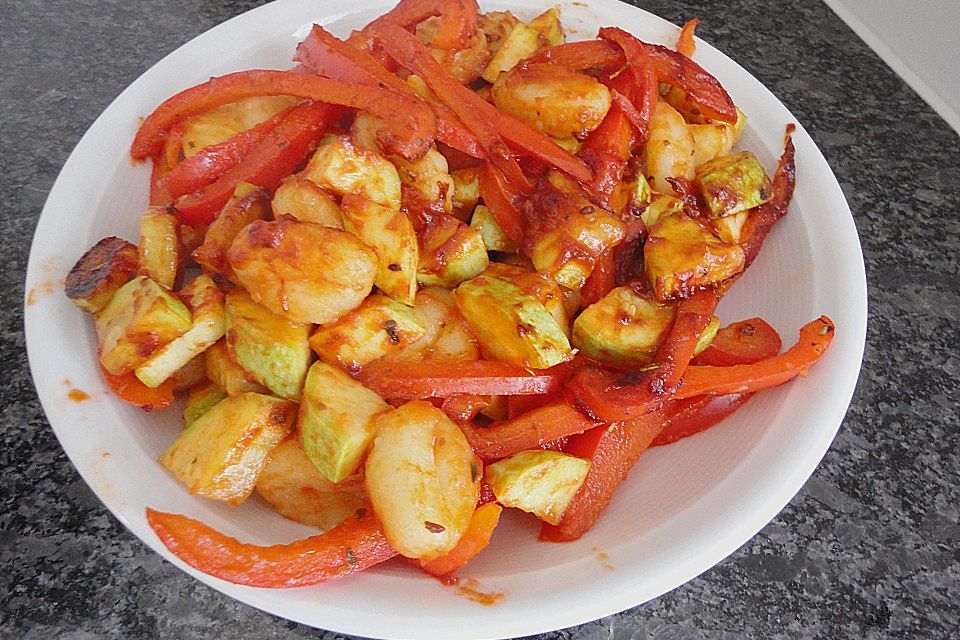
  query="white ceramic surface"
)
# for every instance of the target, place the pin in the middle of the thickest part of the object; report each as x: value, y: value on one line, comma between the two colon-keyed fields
x: 684, y: 507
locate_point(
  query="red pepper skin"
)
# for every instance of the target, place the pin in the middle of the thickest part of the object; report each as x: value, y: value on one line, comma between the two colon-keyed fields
x: 641, y: 68
x: 500, y: 198
x: 411, y: 131
x: 128, y: 388
x: 323, y: 54
x: 612, y: 451
x: 491, y: 126
x: 815, y: 339
x: 353, y: 545
x: 582, y: 55
x: 686, y: 44
x: 607, y: 148
x: 694, y: 415
x: 457, y: 25
x: 271, y: 160
x: 743, y: 342
x: 208, y: 164
x: 533, y: 429
x: 618, y: 397
x: 474, y: 540
x: 760, y: 222
x: 419, y: 380
x: 601, y: 280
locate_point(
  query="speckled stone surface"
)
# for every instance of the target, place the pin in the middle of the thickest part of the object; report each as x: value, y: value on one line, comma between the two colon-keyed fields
x: 868, y: 549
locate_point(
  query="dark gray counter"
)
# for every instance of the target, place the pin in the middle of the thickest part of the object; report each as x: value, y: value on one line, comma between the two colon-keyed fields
x: 868, y: 549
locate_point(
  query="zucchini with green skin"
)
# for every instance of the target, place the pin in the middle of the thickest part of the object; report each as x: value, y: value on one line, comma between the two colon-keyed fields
x: 223, y: 371
x: 336, y: 420
x: 272, y: 349
x: 521, y: 42
x: 512, y: 326
x: 494, y: 237
x: 140, y: 318
x: 537, y: 481
x: 624, y: 329
x: 209, y: 324
x: 450, y: 252
x: 342, y: 167
x: 378, y: 327
x: 221, y: 454
x: 539, y: 285
x: 200, y: 400
x: 731, y: 184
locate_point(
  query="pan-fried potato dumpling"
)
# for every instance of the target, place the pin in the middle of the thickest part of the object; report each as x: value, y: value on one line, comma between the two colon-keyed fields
x: 558, y: 102
x: 244, y: 207
x: 342, y: 167
x: 423, y: 480
x: 294, y: 487
x: 299, y: 198
x: 302, y: 271
x: 446, y: 336
x: 670, y: 148
x: 100, y: 272
x: 221, y: 454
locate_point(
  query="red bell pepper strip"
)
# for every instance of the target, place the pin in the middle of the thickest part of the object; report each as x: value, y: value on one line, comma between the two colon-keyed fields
x: 680, y: 71
x: 612, y: 451
x: 353, y: 545
x: 457, y: 25
x: 582, y: 55
x: 645, y: 86
x: 501, y: 201
x: 208, y: 164
x: 628, y: 255
x: 815, y: 338
x: 491, y: 126
x: 519, y: 405
x: 163, y: 165
x: 473, y: 110
x: 686, y: 44
x: 607, y: 148
x: 463, y: 409
x: 128, y: 388
x: 760, y: 222
x: 694, y: 415
x: 601, y: 280
x: 743, y: 342
x: 271, y: 160
x: 528, y: 431
x: 617, y: 396
x: 411, y: 130
x: 418, y: 380
x: 474, y: 540
x: 324, y: 54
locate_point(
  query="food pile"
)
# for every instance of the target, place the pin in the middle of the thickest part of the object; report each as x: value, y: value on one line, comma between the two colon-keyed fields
x: 448, y: 265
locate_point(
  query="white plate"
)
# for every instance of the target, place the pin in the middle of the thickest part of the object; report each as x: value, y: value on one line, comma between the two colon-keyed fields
x: 684, y: 507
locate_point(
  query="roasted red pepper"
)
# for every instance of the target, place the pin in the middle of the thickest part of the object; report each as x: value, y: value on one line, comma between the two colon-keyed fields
x: 457, y: 24
x: 815, y: 338
x: 271, y: 160
x: 533, y: 429
x: 326, y: 55
x: 694, y: 415
x: 501, y: 200
x: 612, y: 451
x: 128, y: 388
x: 412, y: 380
x: 474, y: 540
x: 640, y: 66
x: 685, y: 41
x: 411, y: 125
x: 743, y: 342
x: 491, y: 126
x: 208, y: 164
x: 601, y: 280
x: 760, y: 222
x: 582, y: 56
x: 353, y: 545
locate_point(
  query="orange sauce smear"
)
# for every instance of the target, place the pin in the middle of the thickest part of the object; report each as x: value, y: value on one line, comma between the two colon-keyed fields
x: 468, y: 589
x: 78, y: 396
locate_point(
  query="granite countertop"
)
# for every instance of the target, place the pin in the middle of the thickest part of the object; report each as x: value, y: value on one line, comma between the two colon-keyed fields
x: 870, y: 547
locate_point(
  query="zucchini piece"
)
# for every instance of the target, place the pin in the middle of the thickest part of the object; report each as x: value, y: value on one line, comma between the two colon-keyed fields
x: 624, y: 329
x: 273, y: 350
x: 216, y: 125
x: 466, y: 191
x: 450, y: 252
x: 243, y: 208
x: 294, y: 487
x: 568, y: 254
x: 446, y: 335
x: 661, y: 206
x: 539, y: 482
x: 200, y: 400
x: 100, y: 272
x: 193, y: 374
x: 158, y: 254
x: 494, y: 238
x: 548, y: 25
x: 391, y: 235
x: 342, y: 167
x: 512, y: 326
x: 336, y: 420
x: 301, y: 199
x: 731, y: 184
x: 140, y: 318
x: 540, y: 286
x: 730, y: 228
x: 302, y: 271
x: 206, y: 304
x: 521, y: 42
x: 681, y: 256
x: 224, y: 372
x: 378, y: 327
x: 221, y: 454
